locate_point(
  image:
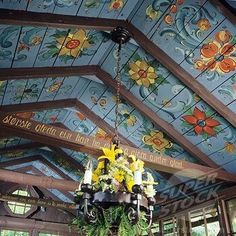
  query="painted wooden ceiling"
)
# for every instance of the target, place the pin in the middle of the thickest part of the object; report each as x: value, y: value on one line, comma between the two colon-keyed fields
x: 195, y: 36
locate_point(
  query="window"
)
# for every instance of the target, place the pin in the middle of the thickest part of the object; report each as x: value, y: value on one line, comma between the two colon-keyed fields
x: 231, y: 209
x: 19, y: 208
x: 205, y: 222
x: 4, y: 232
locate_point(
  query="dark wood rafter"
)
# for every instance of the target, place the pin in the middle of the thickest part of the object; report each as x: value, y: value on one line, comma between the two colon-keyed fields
x: 97, y: 120
x: 21, y: 148
x: 128, y: 96
x: 15, y: 17
x: 91, y: 145
x: 224, y: 10
x: 26, y: 224
x: 37, y: 201
x: 41, y: 181
x: 38, y: 173
x: 185, y: 77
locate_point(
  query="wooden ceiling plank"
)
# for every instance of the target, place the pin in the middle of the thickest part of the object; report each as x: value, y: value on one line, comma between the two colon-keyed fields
x: 63, y: 138
x: 106, y: 78
x: 101, y: 123
x: 16, y: 17
x: 45, y: 19
x: 35, y: 158
x: 68, y: 158
x: 36, y: 106
x: 182, y: 74
x: 160, y: 123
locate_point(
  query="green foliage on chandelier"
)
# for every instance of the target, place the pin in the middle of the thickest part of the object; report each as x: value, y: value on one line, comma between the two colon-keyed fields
x: 114, y: 221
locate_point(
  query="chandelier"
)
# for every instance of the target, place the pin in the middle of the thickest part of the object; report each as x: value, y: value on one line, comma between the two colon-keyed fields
x: 116, y: 198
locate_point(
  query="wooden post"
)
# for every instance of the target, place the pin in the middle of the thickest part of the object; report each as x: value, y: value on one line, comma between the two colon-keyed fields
x: 224, y: 223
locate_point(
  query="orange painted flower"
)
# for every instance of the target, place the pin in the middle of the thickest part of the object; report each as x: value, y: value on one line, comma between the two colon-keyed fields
x: 168, y: 19
x: 142, y: 73
x: 116, y: 5
x: 217, y: 55
x: 201, y: 123
x: 203, y: 24
x: 73, y: 44
x: 157, y: 141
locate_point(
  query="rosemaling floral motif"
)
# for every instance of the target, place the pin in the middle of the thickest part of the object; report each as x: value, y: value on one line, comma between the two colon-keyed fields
x: 202, y: 124
x: 68, y: 45
x: 218, y: 54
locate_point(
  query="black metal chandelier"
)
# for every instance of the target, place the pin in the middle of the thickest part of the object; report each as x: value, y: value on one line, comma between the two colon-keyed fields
x: 131, y: 192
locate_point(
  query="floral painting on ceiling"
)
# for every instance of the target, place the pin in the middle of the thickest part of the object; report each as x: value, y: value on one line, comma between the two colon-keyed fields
x: 218, y: 56
x: 68, y: 45
x: 112, y: 4
x: 143, y: 72
x: 30, y: 37
x: 153, y: 11
x: 201, y: 123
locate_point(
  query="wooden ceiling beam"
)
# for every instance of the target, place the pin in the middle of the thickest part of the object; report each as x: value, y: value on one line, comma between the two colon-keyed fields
x: 21, y: 148
x: 16, y: 17
x: 36, y: 106
x: 45, y: 19
x: 160, y: 123
x: 106, y: 78
x: 55, y: 136
x: 43, y: 72
x: 185, y: 77
x: 41, y: 181
x: 224, y: 10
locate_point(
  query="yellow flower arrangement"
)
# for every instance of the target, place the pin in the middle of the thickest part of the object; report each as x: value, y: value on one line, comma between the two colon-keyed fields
x: 115, y: 172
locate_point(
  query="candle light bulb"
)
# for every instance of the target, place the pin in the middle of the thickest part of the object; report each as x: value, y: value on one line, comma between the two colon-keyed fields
x: 88, y: 173
x: 138, y: 177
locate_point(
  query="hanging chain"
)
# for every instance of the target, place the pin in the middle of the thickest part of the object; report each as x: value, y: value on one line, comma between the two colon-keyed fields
x: 118, y: 83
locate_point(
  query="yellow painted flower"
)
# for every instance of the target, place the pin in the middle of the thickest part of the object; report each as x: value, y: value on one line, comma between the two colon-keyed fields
x: 230, y: 147
x: 129, y: 119
x: 110, y: 154
x: 151, y: 13
x: 116, y: 5
x: 203, y: 24
x: 119, y: 175
x: 142, y: 73
x: 157, y: 141
x: 73, y: 44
